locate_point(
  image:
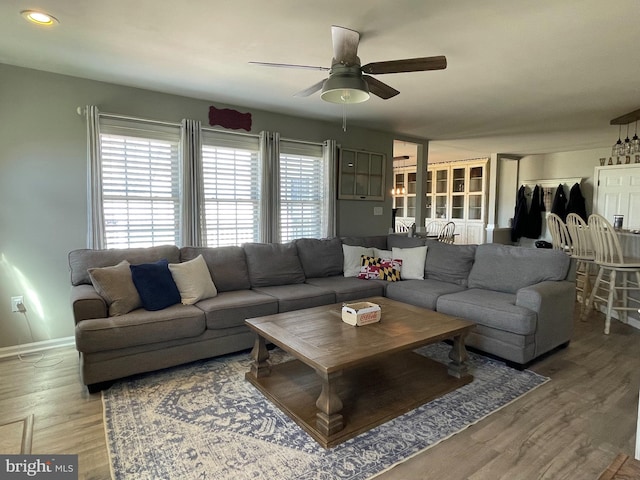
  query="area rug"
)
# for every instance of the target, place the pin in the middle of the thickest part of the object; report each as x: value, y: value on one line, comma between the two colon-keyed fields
x: 204, y: 421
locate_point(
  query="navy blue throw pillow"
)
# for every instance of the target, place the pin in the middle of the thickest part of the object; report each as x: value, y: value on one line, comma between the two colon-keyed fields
x: 155, y: 285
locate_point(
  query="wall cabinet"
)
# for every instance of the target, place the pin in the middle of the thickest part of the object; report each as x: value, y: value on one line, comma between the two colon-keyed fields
x: 457, y: 192
x: 361, y: 175
x: 617, y: 192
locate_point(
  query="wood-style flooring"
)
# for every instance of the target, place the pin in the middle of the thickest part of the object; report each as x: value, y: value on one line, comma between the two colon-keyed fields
x: 572, y: 427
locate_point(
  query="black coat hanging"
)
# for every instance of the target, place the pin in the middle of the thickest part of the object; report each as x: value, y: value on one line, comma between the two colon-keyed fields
x: 534, y: 220
x: 576, y: 203
x: 559, y: 206
x: 520, y: 216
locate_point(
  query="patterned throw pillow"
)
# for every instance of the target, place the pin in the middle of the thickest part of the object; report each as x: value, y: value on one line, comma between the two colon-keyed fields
x: 389, y: 270
x: 369, y: 267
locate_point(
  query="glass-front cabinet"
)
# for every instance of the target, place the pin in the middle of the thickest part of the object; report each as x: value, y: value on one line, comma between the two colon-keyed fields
x: 404, y: 195
x: 457, y: 192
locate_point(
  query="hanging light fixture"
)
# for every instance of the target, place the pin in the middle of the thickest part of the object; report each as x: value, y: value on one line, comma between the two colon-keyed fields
x: 635, y: 141
x: 618, y: 147
x: 627, y: 143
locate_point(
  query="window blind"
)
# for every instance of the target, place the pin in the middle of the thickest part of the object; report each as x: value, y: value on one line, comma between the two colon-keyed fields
x: 140, y: 183
x: 302, y: 190
x: 231, y: 186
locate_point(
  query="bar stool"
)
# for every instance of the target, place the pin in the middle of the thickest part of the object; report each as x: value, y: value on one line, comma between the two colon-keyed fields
x: 582, y: 252
x: 609, y: 258
x: 560, y: 238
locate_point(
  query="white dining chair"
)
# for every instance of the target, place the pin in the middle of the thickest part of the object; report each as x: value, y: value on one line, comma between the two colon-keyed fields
x: 434, y: 227
x: 611, y: 262
x: 447, y: 233
x: 560, y: 238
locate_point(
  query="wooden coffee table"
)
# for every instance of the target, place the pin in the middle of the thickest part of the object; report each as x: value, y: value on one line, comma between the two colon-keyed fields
x: 344, y: 379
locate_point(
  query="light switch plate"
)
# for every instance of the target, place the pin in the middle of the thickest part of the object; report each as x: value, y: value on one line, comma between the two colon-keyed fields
x: 377, y: 210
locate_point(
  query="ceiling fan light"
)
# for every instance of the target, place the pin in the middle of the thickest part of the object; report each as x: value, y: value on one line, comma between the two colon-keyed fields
x: 345, y: 89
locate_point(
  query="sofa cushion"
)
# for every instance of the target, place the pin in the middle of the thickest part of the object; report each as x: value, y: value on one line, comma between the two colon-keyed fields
x: 193, y: 280
x: 403, y: 241
x: 155, y: 285
x: 349, y: 288
x: 490, y: 308
x: 449, y: 263
x: 413, y: 261
x: 115, y: 285
x: 231, y: 309
x: 320, y: 257
x: 353, y: 259
x: 227, y: 266
x: 377, y: 241
x: 519, y: 267
x: 421, y: 293
x: 139, y: 327
x: 80, y: 261
x: 272, y: 264
x: 298, y: 296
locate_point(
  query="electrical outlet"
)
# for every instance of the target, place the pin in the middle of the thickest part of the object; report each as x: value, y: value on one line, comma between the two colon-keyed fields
x: 15, y: 301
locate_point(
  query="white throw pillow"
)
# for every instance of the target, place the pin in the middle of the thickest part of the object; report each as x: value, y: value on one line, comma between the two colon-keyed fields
x: 351, y: 267
x: 413, y: 260
x: 384, y: 254
x: 193, y: 280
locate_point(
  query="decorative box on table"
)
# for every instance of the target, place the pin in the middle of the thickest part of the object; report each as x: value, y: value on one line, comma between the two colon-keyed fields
x: 361, y: 313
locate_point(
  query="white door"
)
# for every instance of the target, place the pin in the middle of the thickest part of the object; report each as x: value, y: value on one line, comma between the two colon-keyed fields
x: 618, y: 193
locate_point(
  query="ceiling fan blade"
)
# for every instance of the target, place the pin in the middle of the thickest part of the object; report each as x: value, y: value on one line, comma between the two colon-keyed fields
x: 379, y: 88
x: 345, y: 45
x: 311, y: 90
x: 408, y: 65
x: 289, y: 65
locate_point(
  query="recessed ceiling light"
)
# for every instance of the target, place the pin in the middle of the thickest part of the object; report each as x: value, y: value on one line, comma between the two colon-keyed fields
x: 39, y: 18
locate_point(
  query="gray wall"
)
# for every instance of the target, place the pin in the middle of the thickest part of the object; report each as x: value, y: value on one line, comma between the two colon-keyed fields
x: 43, y: 182
x: 565, y: 165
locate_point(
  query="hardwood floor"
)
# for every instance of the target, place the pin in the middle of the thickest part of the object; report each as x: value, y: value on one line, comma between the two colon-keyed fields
x: 572, y: 427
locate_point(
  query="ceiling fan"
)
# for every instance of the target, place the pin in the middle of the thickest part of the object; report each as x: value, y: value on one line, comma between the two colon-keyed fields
x: 348, y: 82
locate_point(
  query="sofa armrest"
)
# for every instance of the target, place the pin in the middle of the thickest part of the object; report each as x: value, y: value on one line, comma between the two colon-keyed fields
x: 87, y: 303
x: 554, y: 303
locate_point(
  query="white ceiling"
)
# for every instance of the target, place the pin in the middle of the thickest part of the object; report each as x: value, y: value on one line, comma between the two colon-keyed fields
x: 523, y: 77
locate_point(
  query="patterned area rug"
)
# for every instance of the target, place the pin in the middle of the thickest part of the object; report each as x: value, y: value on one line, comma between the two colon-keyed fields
x: 204, y: 421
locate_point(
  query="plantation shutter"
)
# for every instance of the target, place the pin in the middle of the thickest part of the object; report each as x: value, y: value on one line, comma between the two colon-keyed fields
x: 302, y: 190
x: 140, y: 182
x: 231, y: 186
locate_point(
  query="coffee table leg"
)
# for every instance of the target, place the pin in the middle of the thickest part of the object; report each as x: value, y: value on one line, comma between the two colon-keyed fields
x: 260, y: 366
x: 458, y: 356
x: 328, y: 419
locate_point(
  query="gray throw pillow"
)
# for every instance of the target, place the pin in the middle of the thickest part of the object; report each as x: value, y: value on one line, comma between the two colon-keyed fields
x: 115, y: 285
x: 273, y: 264
x: 320, y: 257
x: 449, y: 263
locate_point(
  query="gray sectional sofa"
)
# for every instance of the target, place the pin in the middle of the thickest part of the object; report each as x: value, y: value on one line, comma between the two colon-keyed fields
x: 520, y: 299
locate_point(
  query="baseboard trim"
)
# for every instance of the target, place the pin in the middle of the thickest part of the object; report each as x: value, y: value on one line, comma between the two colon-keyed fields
x: 35, y: 347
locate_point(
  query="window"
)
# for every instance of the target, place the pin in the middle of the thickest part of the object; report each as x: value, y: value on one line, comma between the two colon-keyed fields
x: 154, y: 183
x: 140, y: 184
x: 302, y: 191
x: 231, y: 186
